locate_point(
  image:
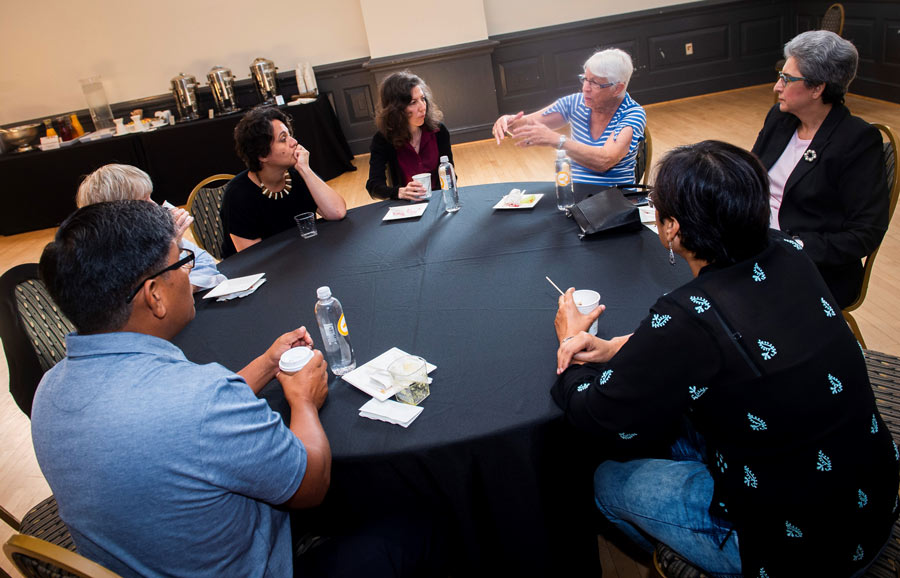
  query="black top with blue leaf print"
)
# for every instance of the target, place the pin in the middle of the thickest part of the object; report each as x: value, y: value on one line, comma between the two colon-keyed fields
x: 759, y: 359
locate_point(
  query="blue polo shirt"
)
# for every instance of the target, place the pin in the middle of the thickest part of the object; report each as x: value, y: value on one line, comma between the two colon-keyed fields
x: 162, y: 467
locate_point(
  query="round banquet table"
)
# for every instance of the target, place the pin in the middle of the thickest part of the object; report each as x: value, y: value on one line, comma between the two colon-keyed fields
x: 491, y: 455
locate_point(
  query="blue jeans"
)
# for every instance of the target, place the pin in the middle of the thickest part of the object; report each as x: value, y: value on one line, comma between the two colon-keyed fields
x: 668, y: 500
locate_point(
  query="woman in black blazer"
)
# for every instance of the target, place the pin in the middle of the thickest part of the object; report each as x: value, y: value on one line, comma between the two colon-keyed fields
x: 826, y: 167
x: 410, y: 139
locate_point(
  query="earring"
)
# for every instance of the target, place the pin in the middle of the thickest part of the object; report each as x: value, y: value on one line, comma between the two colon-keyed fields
x: 671, y: 254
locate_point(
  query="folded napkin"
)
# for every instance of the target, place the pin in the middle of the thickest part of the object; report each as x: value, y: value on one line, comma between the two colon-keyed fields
x: 401, y: 414
x: 238, y: 287
x: 242, y: 294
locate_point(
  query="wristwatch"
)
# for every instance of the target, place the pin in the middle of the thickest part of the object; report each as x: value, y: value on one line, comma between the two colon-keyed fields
x: 562, y: 142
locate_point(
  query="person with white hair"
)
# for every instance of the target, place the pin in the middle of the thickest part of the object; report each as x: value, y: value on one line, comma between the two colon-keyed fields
x: 606, y: 123
x: 827, y: 180
x: 117, y: 182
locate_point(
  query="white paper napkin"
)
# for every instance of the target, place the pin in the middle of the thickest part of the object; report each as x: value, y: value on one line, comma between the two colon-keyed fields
x: 401, y: 414
x: 242, y: 294
x: 237, y: 285
x: 373, y: 378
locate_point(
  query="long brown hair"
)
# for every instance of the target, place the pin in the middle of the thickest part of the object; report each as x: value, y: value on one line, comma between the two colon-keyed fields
x: 395, y: 93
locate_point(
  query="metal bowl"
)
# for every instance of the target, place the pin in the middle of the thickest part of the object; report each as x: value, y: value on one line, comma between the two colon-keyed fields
x: 19, y: 137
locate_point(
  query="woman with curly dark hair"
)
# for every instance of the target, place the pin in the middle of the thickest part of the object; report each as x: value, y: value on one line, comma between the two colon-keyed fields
x: 410, y: 139
x: 278, y: 183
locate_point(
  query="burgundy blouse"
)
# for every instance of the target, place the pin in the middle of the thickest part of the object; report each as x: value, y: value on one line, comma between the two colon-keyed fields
x: 425, y: 161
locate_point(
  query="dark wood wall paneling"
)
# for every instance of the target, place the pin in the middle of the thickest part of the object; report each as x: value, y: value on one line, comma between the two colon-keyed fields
x: 874, y: 27
x: 735, y: 44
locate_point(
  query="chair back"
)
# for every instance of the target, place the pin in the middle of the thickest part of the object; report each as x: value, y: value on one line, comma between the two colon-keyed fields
x: 833, y: 20
x: 33, y: 330
x: 36, y: 558
x: 891, y: 156
x: 204, y: 205
x: 644, y: 158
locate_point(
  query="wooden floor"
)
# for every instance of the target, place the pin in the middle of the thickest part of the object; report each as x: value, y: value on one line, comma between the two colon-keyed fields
x: 734, y: 116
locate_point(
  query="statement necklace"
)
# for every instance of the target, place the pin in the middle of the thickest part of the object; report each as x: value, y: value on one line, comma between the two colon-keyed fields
x: 282, y: 193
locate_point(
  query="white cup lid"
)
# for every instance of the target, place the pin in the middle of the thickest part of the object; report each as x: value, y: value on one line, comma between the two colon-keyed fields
x: 294, y: 359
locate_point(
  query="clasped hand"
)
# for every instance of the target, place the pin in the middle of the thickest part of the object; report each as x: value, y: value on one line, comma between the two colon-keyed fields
x: 413, y: 191
x: 310, y: 383
x: 576, y: 345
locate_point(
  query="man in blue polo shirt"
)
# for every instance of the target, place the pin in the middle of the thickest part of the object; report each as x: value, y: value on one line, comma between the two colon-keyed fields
x: 161, y: 466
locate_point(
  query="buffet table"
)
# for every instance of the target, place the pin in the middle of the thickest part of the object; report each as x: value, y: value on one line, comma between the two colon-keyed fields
x: 491, y: 454
x: 39, y: 187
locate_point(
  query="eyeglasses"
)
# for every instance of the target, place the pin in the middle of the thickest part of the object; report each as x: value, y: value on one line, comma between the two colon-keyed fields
x: 650, y: 202
x: 787, y: 78
x: 594, y: 84
x: 185, y: 260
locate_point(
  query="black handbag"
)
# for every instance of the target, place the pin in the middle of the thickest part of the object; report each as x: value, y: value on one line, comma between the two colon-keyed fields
x: 607, y: 210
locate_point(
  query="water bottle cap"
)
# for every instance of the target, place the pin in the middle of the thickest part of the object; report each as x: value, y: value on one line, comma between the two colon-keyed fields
x: 445, y: 159
x: 323, y: 292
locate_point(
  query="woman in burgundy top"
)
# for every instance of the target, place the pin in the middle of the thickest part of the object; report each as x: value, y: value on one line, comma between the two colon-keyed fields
x: 410, y: 139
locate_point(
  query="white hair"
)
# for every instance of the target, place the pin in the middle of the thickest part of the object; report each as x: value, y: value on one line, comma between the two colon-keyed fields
x: 114, y: 182
x: 613, y: 64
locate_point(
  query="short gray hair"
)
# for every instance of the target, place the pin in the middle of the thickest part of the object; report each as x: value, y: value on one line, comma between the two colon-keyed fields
x: 824, y: 57
x: 613, y: 64
x: 114, y: 182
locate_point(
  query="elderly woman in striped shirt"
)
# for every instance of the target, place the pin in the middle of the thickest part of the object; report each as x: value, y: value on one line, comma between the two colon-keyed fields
x: 606, y: 123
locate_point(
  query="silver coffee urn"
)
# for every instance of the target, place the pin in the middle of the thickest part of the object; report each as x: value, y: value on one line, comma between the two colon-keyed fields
x: 221, y: 83
x: 263, y: 72
x: 184, y: 87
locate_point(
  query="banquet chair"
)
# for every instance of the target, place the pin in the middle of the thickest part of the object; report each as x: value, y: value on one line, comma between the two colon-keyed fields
x: 36, y: 558
x: 33, y: 330
x: 644, y: 159
x: 891, y: 156
x: 833, y: 20
x: 204, y: 205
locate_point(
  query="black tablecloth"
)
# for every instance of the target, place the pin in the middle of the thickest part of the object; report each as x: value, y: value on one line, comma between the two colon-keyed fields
x: 491, y: 451
x: 39, y: 187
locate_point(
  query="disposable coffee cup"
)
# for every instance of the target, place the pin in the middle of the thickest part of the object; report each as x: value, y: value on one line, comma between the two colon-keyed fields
x: 294, y: 359
x: 424, y: 179
x: 587, y: 300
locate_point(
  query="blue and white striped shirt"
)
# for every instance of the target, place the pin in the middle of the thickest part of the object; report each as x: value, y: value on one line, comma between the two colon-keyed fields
x: 577, y: 114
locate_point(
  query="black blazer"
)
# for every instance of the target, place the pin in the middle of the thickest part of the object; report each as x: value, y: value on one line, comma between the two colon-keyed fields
x: 383, y: 154
x: 837, y: 202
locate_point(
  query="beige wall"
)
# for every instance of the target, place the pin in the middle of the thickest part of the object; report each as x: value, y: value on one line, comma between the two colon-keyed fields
x: 504, y: 16
x: 400, y: 26
x: 138, y: 52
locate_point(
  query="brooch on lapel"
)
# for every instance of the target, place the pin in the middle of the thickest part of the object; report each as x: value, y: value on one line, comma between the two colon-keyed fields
x: 809, y: 156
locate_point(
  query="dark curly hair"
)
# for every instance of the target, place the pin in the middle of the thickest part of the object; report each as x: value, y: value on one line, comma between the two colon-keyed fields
x: 253, y: 134
x: 395, y: 94
x: 719, y: 194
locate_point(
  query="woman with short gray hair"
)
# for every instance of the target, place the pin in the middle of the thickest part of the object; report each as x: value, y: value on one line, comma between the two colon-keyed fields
x: 607, y: 124
x: 826, y: 167
x: 117, y: 182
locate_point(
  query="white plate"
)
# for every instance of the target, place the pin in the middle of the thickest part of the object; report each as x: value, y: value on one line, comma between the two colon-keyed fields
x: 361, y: 377
x: 528, y: 201
x: 405, y: 212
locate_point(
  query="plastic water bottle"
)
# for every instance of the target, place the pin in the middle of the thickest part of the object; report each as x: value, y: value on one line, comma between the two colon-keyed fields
x: 565, y: 195
x: 448, y: 185
x: 335, y: 336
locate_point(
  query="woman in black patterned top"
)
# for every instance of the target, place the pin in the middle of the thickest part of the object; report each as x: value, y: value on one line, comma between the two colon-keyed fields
x: 781, y: 464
